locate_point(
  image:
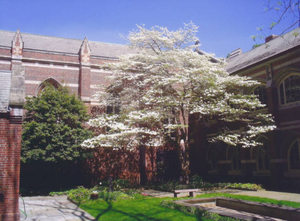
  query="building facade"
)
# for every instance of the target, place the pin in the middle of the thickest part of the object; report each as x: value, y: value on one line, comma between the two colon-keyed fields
x: 275, y: 164
x: 75, y: 63
x: 28, y: 60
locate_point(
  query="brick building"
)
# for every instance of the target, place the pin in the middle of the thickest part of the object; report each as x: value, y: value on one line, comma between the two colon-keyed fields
x: 75, y: 63
x: 11, y: 102
x: 276, y: 164
x: 28, y: 60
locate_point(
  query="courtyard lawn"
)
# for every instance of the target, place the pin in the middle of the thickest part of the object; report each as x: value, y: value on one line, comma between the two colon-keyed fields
x: 149, y: 208
x: 135, y: 209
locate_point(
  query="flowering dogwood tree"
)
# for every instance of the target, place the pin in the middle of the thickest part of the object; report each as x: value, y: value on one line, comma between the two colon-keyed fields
x: 158, y: 86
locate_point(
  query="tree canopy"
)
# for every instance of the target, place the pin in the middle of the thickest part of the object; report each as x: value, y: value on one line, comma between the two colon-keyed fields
x: 53, y: 127
x: 163, y: 82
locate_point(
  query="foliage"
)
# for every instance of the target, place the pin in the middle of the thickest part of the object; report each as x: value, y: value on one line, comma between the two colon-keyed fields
x: 119, y: 184
x: 53, y: 127
x: 195, y: 211
x: 169, y: 186
x: 196, y: 181
x: 80, y: 194
x: 286, y: 9
x: 59, y: 193
x: 256, y: 45
x: 245, y: 186
x: 159, y: 86
x: 109, y: 196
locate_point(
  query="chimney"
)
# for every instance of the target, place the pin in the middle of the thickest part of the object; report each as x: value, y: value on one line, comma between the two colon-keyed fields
x: 235, y: 53
x: 271, y: 37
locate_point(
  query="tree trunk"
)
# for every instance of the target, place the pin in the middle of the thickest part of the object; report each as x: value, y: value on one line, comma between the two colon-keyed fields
x: 143, y: 176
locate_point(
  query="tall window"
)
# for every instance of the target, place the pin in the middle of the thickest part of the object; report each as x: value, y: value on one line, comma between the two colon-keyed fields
x: 294, y: 155
x: 262, y: 157
x: 213, y: 156
x: 235, y: 159
x: 289, y: 90
x: 261, y: 92
x: 113, y: 103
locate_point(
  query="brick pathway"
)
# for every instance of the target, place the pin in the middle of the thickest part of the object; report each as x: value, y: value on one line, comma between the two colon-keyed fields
x: 48, y: 208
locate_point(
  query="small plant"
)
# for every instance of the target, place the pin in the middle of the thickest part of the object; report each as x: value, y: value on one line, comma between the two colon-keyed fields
x: 119, y: 184
x: 112, y: 196
x: 245, y: 186
x: 80, y: 194
x: 196, y: 182
x: 59, y: 193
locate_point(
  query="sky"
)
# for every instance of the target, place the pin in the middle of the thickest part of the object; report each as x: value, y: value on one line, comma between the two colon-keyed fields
x: 224, y: 25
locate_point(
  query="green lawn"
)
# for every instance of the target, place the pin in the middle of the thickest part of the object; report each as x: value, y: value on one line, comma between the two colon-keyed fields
x: 135, y: 209
x: 149, y: 208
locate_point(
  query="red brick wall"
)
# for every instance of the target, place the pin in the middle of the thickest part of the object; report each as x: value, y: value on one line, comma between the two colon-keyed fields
x: 50, y: 56
x: 10, y: 150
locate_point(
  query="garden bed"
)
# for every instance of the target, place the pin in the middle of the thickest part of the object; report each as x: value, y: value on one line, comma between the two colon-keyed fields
x: 236, y: 208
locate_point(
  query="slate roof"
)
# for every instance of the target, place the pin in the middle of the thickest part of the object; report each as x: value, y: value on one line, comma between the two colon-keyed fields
x: 63, y: 45
x: 274, y: 47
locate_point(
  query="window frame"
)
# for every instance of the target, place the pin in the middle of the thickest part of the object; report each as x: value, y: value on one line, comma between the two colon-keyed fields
x: 280, y: 95
x: 253, y: 90
x: 235, y: 155
x: 289, y: 157
x: 42, y: 85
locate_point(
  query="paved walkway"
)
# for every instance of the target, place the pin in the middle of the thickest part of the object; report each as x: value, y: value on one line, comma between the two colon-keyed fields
x: 261, y: 193
x: 295, y: 197
x: 48, y: 208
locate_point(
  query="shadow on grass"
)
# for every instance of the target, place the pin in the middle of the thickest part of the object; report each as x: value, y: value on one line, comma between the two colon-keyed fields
x: 133, y: 214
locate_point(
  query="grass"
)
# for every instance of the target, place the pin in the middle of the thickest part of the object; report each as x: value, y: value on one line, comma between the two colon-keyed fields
x: 149, y: 208
x: 135, y: 209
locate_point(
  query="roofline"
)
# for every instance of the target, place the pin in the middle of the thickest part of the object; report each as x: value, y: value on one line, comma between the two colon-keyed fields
x: 76, y: 39
x: 265, y: 60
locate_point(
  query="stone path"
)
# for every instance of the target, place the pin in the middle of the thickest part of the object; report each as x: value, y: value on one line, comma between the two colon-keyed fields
x: 272, y: 195
x: 48, y: 208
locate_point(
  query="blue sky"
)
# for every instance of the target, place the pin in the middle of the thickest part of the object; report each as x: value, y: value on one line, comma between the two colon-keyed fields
x: 224, y: 25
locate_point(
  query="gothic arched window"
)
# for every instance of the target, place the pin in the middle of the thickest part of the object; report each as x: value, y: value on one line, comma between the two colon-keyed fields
x: 289, y: 90
x: 261, y: 93
x: 50, y: 81
x: 212, y: 157
x: 235, y: 159
x: 294, y: 155
x: 262, y: 157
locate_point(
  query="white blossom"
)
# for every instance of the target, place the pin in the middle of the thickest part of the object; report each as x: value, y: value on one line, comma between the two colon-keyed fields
x: 164, y: 81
